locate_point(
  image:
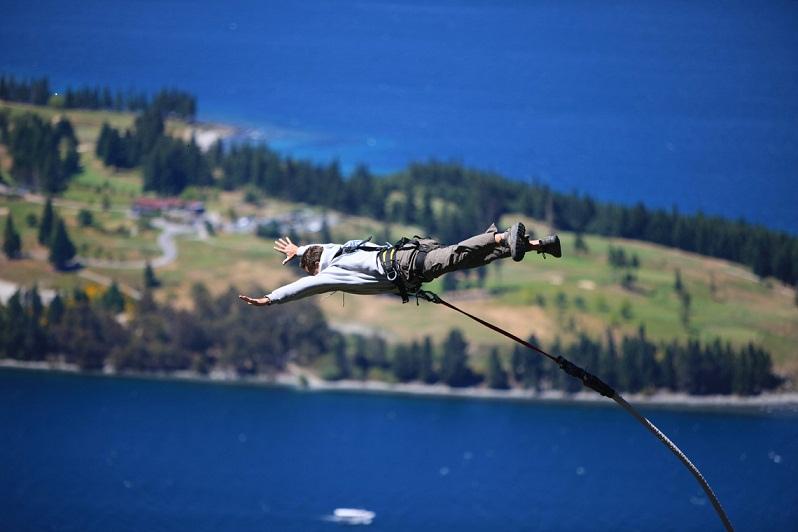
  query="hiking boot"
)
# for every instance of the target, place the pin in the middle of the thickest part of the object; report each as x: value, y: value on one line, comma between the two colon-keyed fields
x: 516, y: 240
x: 550, y: 245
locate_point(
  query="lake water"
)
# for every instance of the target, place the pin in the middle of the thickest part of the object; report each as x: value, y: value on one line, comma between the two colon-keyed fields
x: 693, y: 104
x: 97, y: 454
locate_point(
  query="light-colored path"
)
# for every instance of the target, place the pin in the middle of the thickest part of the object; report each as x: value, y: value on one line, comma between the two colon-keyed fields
x: 166, y: 241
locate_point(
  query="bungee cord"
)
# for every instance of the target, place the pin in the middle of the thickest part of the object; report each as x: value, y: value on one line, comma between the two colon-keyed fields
x: 596, y: 384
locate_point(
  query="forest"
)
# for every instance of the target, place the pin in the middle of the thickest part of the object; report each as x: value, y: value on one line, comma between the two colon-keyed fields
x: 85, y: 329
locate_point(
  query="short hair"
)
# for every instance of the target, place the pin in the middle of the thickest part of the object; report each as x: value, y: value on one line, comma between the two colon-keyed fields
x: 311, y: 256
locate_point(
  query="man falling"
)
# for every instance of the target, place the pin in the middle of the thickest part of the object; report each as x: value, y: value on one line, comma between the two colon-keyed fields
x: 359, y: 267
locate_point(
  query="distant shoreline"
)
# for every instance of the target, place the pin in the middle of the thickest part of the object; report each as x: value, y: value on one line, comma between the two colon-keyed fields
x: 206, y: 134
x: 766, y: 402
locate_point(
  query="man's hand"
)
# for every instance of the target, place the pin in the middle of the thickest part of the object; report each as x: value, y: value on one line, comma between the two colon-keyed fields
x: 284, y: 245
x: 258, y: 302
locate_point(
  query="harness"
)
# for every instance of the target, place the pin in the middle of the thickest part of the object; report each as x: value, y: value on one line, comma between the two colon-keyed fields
x: 393, y: 270
x: 387, y: 255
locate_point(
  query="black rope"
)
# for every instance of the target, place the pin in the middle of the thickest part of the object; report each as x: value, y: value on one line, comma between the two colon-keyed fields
x: 596, y: 384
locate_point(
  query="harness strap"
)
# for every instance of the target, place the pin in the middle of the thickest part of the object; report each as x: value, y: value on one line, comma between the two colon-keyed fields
x: 393, y: 271
x: 418, y: 262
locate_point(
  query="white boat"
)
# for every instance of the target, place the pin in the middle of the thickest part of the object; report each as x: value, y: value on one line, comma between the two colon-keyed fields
x: 353, y: 516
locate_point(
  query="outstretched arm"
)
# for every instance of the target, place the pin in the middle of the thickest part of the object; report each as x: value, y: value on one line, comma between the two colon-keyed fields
x: 284, y: 245
x: 255, y: 301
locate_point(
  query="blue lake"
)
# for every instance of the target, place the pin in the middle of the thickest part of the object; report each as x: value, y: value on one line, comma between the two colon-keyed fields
x: 693, y: 104
x: 99, y: 454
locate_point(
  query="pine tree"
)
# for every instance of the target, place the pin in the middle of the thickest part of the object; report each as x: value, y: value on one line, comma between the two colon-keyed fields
x: 62, y: 250
x: 678, y: 286
x: 449, y: 283
x: 33, y: 301
x: 342, y: 367
x: 608, y: 360
x: 55, y: 312
x: 454, y: 368
x: 427, y: 213
x: 527, y: 366
x: 360, y: 357
x: 12, y: 244
x: 326, y: 234
x: 46, y: 227
x: 150, y: 281
x: 103, y: 143
x: 684, y: 308
x: 34, y: 338
x: 405, y: 368
x: 426, y: 372
x: 579, y: 244
x: 497, y: 377
x: 14, y: 327
x: 113, y: 299
x: 409, y: 207
x: 85, y: 218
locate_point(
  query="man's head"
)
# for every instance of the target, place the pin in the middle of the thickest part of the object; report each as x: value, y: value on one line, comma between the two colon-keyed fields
x: 311, y: 259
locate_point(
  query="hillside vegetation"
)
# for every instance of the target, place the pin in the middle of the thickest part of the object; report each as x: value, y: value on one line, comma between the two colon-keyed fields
x: 585, y: 291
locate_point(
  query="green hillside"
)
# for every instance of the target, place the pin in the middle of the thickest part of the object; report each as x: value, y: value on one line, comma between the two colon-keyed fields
x: 549, y: 298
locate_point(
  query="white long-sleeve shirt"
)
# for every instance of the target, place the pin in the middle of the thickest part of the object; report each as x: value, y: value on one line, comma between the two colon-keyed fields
x: 357, y: 272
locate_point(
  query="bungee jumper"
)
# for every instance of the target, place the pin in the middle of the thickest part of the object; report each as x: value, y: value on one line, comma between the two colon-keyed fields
x: 360, y: 267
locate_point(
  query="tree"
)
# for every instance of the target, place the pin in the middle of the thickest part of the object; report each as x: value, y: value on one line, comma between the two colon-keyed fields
x: 55, y: 312
x: 102, y: 146
x: 86, y: 335
x: 449, y: 283
x: 427, y: 213
x: 325, y: 234
x: 113, y: 299
x: 62, y: 250
x: 34, y: 338
x: 497, y: 377
x: 85, y: 218
x: 579, y: 244
x: 454, y: 368
x: 426, y: 372
x: 405, y: 365
x: 526, y: 365
x: 409, y: 207
x: 678, y: 285
x: 46, y: 227
x: 626, y: 310
x: 12, y: 244
x: 343, y: 369
x: 13, y: 334
x: 360, y: 357
x: 684, y: 308
x: 150, y: 281
x: 378, y: 349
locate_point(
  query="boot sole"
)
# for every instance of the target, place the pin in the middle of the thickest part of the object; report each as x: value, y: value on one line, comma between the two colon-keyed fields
x: 517, y: 250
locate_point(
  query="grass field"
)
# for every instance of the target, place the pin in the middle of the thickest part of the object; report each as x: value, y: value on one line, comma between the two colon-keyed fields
x: 549, y: 298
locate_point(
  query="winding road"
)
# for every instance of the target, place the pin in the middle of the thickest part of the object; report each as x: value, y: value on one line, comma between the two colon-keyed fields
x: 166, y: 241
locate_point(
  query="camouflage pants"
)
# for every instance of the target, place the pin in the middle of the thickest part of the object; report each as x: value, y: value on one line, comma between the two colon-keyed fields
x: 473, y: 252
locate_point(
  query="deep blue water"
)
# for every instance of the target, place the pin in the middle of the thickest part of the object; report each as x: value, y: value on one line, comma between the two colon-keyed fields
x: 693, y: 104
x: 106, y: 454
